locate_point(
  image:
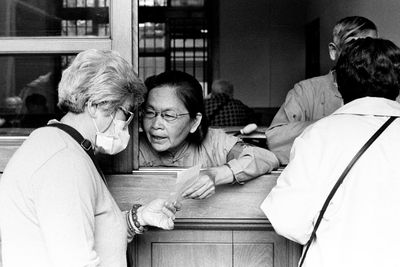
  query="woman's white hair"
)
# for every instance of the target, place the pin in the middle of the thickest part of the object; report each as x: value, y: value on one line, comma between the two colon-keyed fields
x: 102, y: 77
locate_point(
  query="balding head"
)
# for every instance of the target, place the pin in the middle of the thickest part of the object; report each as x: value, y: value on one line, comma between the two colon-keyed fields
x: 347, y: 29
x: 222, y: 87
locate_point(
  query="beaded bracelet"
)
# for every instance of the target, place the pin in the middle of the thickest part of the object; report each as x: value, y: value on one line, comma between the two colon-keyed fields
x: 133, y: 218
x: 131, y: 230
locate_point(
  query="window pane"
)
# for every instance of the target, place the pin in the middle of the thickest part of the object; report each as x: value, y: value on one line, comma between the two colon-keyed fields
x: 149, y: 66
x: 189, y: 47
x: 28, y: 90
x: 151, y: 37
x: 54, y: 18
x: 172, y: 2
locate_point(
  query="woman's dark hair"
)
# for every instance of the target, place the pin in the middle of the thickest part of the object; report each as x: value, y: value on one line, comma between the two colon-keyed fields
x: 369, y: 67
x: 190, y: 92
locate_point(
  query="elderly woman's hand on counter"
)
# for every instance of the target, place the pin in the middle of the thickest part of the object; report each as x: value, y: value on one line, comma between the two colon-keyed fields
x: 204, y: 187
x: 208, y: 180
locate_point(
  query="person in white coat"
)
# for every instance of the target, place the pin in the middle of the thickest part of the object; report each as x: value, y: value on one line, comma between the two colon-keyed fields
x: 361, y: 224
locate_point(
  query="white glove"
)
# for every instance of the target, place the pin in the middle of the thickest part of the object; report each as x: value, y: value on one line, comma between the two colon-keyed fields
x: 158, y: 213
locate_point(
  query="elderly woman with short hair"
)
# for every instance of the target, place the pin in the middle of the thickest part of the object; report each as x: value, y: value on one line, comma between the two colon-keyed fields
x: 54, y: 202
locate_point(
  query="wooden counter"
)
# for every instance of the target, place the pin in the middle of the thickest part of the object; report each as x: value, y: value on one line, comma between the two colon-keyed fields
x: 228, y: 229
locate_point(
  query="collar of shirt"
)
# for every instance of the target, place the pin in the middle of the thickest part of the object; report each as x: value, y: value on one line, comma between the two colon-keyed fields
x: 173, y: 157
x: 377, y: 106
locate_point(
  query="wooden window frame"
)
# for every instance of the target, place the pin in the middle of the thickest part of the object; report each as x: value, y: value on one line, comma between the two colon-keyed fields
x: 123, y: 39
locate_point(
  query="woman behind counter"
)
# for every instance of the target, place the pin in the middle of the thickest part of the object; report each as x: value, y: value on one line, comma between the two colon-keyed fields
x: 55, y: 208
x: 177, y: 134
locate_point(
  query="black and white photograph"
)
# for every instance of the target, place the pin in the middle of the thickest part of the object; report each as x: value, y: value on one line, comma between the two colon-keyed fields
x: 199, y: 133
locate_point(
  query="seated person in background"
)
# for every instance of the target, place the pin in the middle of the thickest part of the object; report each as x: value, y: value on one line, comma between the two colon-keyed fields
x: 315, y: 98
x: 223, y: 110
x: 363, y: 210
x: 176, y: 134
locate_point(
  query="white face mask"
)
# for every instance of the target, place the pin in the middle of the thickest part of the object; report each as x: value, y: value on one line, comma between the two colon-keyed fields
x: 112, y: 144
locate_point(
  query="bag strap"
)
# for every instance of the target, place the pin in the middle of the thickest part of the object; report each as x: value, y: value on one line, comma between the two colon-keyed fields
x: 339, y: 182
x: 84, y: 143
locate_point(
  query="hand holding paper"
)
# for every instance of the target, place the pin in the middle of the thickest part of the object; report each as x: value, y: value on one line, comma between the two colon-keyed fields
x: 193, y: 183
x: 201, y: 187
x: 185, y: 180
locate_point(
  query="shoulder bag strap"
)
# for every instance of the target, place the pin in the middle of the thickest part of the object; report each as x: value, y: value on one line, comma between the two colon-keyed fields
x: 84, y: 143
x: 339, y: 182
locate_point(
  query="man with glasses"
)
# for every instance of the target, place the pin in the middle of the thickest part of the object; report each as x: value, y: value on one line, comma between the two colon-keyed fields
x: 315, y: 98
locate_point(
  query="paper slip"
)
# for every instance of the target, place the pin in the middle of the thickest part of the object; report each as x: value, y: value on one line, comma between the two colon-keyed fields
x: 185, y: 180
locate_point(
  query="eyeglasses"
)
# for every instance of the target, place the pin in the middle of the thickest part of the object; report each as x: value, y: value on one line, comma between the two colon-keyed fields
x: 128, y: 115
x: 168, y: 115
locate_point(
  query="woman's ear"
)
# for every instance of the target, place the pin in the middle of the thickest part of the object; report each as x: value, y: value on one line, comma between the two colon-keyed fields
x: 196, y: 122
x: 92, y: 109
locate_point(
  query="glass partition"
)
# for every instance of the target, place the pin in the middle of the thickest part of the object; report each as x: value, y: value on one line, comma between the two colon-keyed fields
x: 28, y: 91
x: 38, y: 38
x: 54, y: 18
